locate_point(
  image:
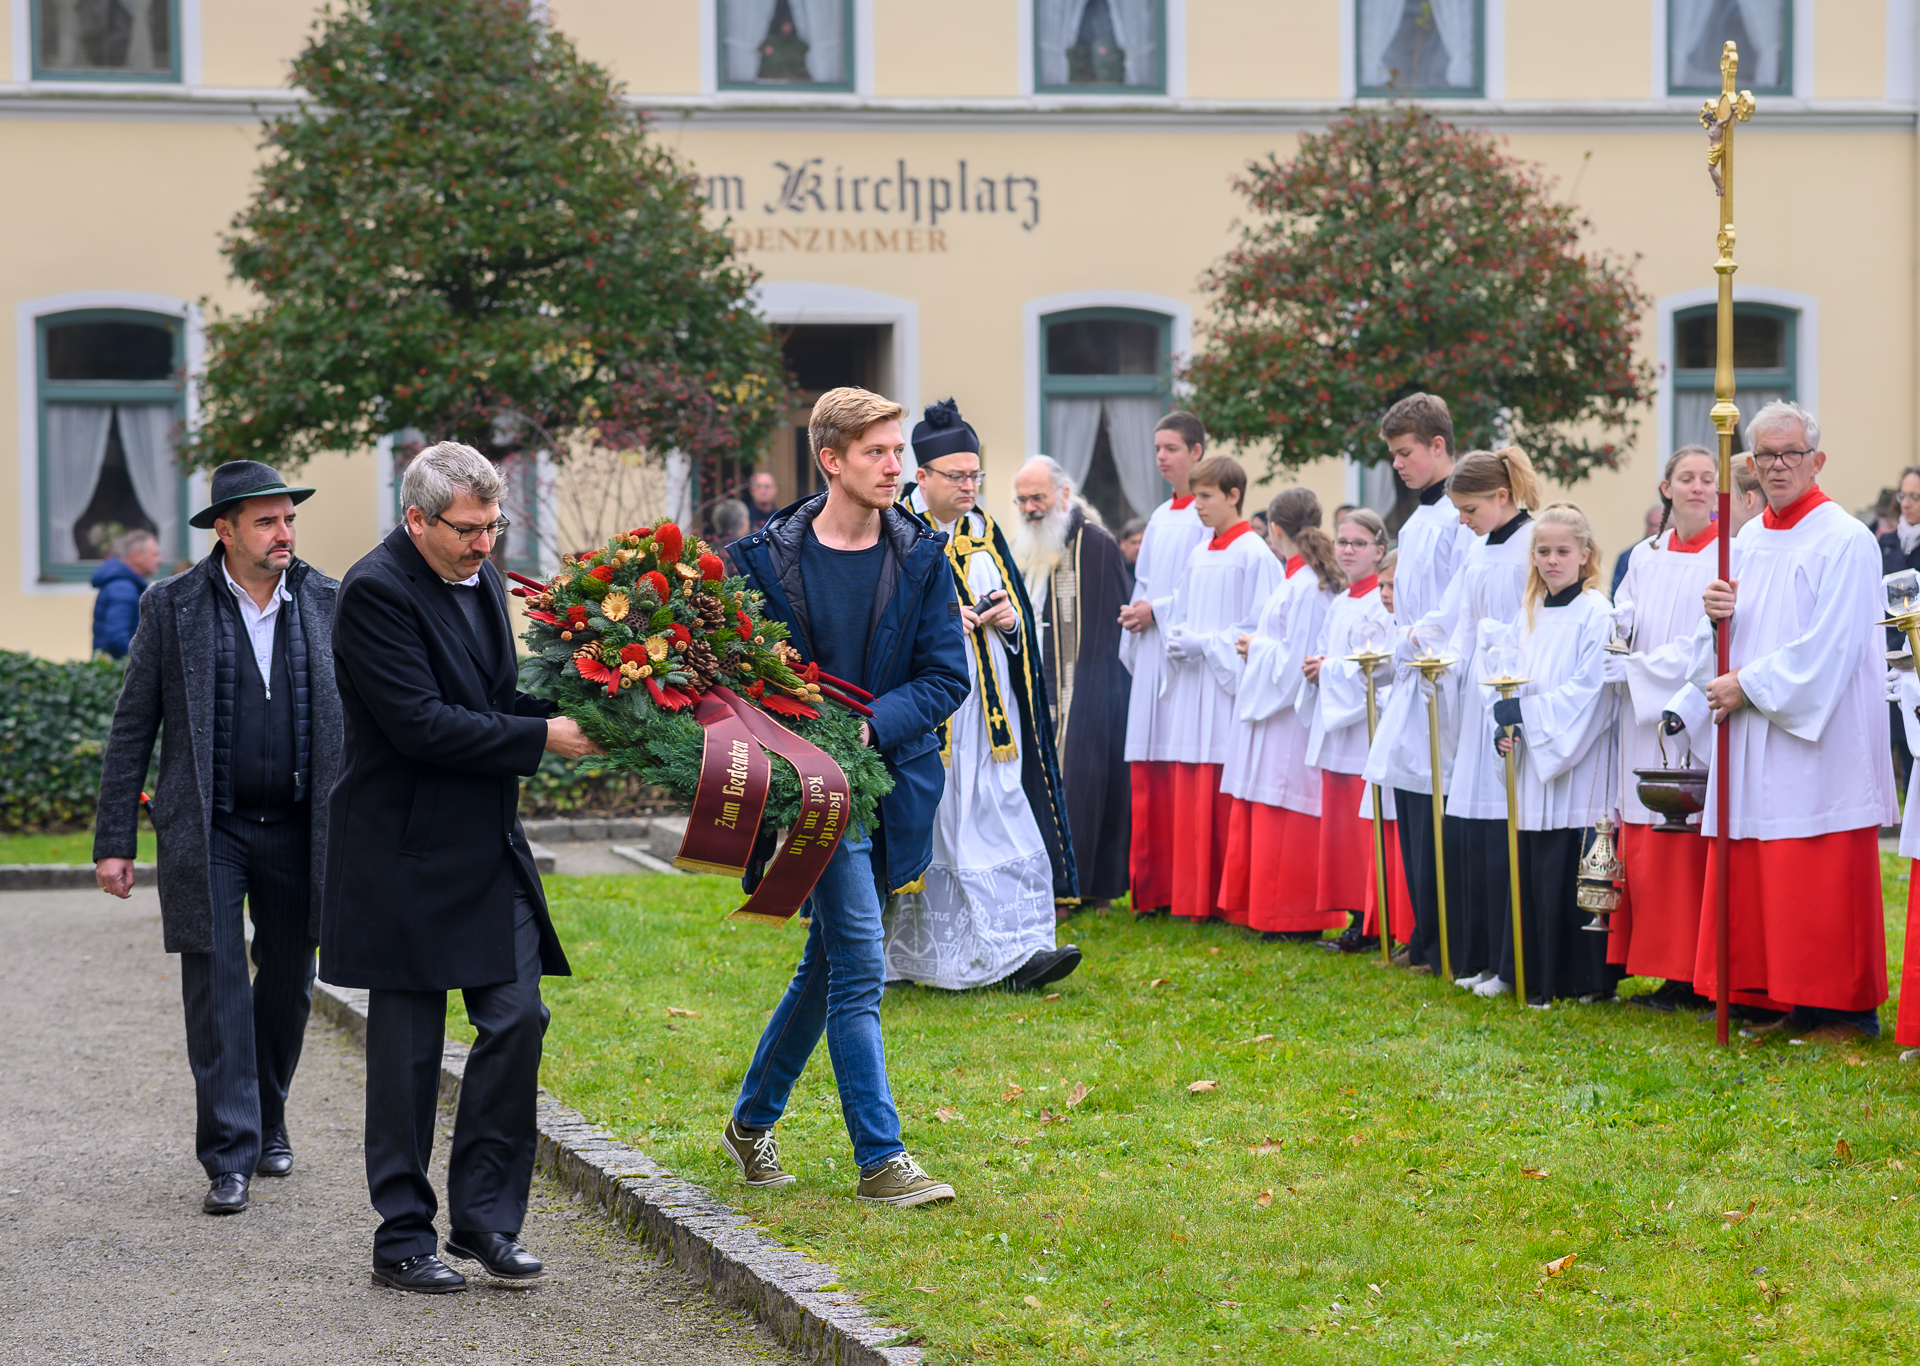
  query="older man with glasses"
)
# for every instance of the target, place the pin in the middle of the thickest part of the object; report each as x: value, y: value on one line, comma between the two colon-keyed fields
x: 430, y: 885
x: 1810, y: 787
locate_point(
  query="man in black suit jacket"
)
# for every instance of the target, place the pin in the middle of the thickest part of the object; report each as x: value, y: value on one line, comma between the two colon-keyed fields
x: 430, y: 885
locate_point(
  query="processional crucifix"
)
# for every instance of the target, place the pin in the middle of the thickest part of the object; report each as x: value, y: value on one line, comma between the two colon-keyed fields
x: 1718, y: 117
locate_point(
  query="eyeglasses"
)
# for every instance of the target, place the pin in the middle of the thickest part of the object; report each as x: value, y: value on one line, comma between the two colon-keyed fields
x: 468, y: 534
x: 1040, y: 500
x: 1355, y: 545
x: 977, y: 478
x: 1788, y: 460
x: 1909, y: 497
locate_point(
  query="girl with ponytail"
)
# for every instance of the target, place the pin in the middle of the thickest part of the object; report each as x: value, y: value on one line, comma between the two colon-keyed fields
x: 1495, y: 493
x: 1273, y: 831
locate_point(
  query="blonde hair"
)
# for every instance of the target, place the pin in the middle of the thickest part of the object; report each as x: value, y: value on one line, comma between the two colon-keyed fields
x: 843, y: 415
x: 1388, y: 563
x: 1666, y: 475
x: 1367, y: 518
x: 1571, y: 517
x: 1221, y: 472
x: 1483, y: 472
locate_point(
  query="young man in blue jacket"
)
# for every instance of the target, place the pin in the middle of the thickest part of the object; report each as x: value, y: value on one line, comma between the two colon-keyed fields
x: 865, y: 590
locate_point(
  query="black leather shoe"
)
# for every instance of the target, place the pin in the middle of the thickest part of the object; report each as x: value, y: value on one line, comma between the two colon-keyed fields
x: 227, y: 1194
x: 424, y: 1275
x: 276, y: 1154
x: 500, y: 1255
x: 1046, y: 966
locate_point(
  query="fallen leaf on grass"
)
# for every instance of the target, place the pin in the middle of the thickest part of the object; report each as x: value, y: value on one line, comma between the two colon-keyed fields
x: 1080, y: 1092
x: 1842, y: 1150
x: 1263, y: 1199
x: 1213, y: 950
x: 1264, y: 1148
x: 1855, y: 1060
x: 1198, y: 1086
x: 1734, y: 1216
x: 1259, y: 1038
x: 1559, y: 1264
x: 1230, y: 1304
x: 928, y: 1289
x: 1032, y: 1302
x: 1533, y: 1171
x: 946, y: 1114
x: 1375, y: 1289
x: 1012, y: 1093
x: 1159, y: 981
x: 1049, y: 1117
x: 1021, y: 1142
x: 1051, y: 996
x: 1895, y: 1164
x: 1179, y: 1237
x: 689, y: 1014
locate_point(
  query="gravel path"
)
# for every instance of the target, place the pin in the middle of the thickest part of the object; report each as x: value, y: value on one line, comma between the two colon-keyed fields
x: 100, y: 1198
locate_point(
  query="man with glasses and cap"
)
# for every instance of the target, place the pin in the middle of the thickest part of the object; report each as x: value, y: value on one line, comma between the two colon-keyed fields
x: 232, y: 667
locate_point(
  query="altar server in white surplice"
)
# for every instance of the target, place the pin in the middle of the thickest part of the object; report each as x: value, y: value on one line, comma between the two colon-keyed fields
x: 1002, y: 852
x: 1174, y: 529
x: 1433, y: 546
x: 1812, y: 783
x: 1228, y: 580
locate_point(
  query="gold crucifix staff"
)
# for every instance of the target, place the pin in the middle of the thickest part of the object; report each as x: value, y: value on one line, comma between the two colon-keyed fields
x: 1431, y: 666
x: 1370, y: 657
x: 1718, y: 117
x: 1506, y: 685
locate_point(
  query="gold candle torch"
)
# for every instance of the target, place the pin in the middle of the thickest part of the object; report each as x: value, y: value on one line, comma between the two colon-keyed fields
x: 1507, y: 685
x: 1431, y: 666
x: 1368, y: 638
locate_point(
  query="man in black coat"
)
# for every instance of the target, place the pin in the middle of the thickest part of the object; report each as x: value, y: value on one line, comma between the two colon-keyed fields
x: 232, y: 666
x: 1900, y: 549
x: 431, y: 886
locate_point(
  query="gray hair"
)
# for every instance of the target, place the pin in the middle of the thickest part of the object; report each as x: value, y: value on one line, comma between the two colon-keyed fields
x: 1779, y: 413
x: 132, y: 540
x: 730, y: 518
x: 1055, y: 470
x: 435, y: 475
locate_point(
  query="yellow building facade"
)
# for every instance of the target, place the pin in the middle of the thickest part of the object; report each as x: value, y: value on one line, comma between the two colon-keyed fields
x: 1011, y: 202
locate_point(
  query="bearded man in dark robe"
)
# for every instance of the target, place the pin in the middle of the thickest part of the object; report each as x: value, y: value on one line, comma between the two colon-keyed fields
x: 1078, y: 582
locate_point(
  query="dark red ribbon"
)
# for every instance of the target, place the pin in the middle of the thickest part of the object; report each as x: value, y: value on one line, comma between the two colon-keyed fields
x: 734, y: 777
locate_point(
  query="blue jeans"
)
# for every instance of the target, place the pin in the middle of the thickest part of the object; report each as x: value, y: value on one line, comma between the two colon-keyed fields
x: 835, y: 990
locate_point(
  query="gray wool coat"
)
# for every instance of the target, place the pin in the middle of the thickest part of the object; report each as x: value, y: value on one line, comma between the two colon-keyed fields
x: 169, y: 691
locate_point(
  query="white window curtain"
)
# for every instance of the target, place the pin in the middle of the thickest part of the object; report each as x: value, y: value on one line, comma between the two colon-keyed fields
x: 1057, y: 24
x: 76, y: 447
x: 1379, y: 22
x: 821, y: 25
x: 67, y: 25
x: 1766, y: 22
x: 146, y: 435
x: 1136, y: 25
x: 1693, y: 423
x: 1698, y: 27
x: 743, y: 31
x: 1130, y: 423
x: 1073, y: 427
x: 1455, y: 21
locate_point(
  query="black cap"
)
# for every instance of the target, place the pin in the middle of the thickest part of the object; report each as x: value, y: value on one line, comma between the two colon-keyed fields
x: 242, y: 479
x: 944, y: 432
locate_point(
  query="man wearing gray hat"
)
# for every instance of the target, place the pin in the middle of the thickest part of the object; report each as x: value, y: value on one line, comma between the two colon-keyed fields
x: 232, y: 666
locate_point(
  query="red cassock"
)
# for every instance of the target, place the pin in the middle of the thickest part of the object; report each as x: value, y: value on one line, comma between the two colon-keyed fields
x: 1656, y: 933
x: 1345, y: 858
x: 1804, y: 921
x: 1150, y: 851
x: 1201, y: 818
x: 1270, y: 878
x: 1906, y: 1027
x: 1399, y: 902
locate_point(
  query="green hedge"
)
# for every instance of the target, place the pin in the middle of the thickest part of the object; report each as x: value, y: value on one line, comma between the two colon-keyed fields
x: 54, y: 719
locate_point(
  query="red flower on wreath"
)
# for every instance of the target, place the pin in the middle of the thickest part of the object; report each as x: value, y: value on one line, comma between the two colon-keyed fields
x: 811, y: 673
x: 657, y: 581
x: 680, y: 633
x: 758, y: 690
x: 602, y: 572
x: 640, y: 531
x: 787, y: 706
x: 745, y: 628
x: 672, y: 699
x: 633, y: 654
x: 668, y: 542
x: 712, y: 568
x: 595, y: 672
x: 547, y: 617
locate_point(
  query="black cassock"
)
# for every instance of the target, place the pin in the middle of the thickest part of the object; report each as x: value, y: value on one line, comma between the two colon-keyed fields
x: 1087, y: 690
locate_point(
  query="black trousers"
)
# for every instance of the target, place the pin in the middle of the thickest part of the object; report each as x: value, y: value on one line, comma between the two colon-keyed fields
x: 1414, y: 811
x: 1485, y: 892
x: 243, y: 1038
x: 1562, y: 958
x: 490, y: 1167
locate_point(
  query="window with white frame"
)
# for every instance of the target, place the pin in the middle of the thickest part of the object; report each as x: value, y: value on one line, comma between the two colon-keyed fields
x: 1419, y: 47
x: 1697, y: 30
x: 106, y: 40
x: 1104, y: 383
x: 111, y: 399
x: 1090, y: 46
x: 791, y: 44
x: 1765, y: 368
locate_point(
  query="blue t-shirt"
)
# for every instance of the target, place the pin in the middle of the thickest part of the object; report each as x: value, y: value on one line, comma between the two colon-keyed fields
x: 841, y: 588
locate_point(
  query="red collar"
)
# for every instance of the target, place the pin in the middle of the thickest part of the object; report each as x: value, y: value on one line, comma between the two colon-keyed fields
x: 1796, y: 510
x: 1364, y: 587
x: 1706, y: 538
x: 1229, y: 536
x: 1295, y: 564
x: 1183, y: 502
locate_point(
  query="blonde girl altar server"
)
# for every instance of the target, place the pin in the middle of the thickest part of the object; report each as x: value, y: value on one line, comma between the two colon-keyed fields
x: 1496, y: 492
x: 1337, y: 732
x: 1399, y: 899
x: 1269, y: 882
x: 1228, y: 580
x: 1566, y: 771
x: 1174, y: 529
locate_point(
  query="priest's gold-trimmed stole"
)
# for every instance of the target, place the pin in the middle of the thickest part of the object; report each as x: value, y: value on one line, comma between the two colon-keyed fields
x: 962, y: 546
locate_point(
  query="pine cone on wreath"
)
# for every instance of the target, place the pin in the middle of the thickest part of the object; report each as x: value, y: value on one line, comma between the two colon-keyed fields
x: 713, y: 612
x: 699, y: 660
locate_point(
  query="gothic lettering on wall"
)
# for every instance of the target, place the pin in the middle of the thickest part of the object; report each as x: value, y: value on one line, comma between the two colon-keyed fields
x: 808, y: 187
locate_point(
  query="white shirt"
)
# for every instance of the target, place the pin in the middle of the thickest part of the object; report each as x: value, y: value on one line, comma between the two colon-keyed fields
x: 1267, y: 762
x: 1171, y: 535
x: 1491, y: 586
x: 1220, y: 596
x: 1338, y: 740
x: 259, y: 621
x: 1567, y: 763
x: 1659, y: 601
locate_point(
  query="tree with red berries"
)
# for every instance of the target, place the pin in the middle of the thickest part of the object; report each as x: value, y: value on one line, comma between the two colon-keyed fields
x: 465, y: 231
x: 1397, y: 253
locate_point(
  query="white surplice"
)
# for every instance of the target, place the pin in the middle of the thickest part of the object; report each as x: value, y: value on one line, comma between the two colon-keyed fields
x: 1490, y: 587
x: 1433, y: 547
x: 1337, y: 735
x: 1659, y: 601
x: 1810, y: 750
x: 1908, y: 701
x: 1267, y: 763
x: 988, y: 903
x: 1567, y: 761
x: 1219, y: 598
x: 1171, y: 535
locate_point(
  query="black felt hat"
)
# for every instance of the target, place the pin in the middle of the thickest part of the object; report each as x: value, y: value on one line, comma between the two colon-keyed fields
x: 944, y: 432
x: 241, y: 479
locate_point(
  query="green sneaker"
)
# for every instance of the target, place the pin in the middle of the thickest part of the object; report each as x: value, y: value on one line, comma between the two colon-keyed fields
x: 756, y: 1154
x: 898, y: 1181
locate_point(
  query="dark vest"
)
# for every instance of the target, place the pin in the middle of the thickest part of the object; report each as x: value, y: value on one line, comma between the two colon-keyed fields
x: 262, y: 727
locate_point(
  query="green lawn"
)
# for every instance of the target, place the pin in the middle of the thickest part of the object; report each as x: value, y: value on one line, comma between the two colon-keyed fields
x: 1382, y: 1174
x: 72, y: 848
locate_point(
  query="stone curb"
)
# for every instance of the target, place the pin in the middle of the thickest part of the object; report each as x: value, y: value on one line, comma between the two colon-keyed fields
x: 683, y: 1223
x: 46, y: 877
